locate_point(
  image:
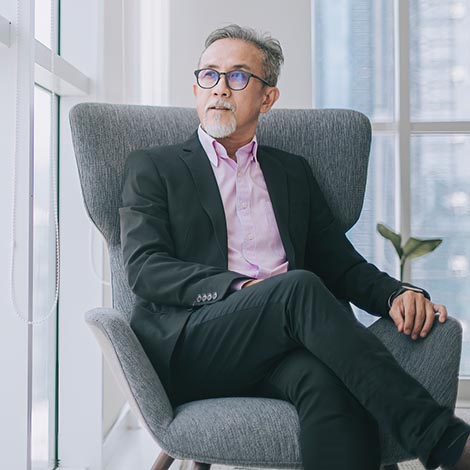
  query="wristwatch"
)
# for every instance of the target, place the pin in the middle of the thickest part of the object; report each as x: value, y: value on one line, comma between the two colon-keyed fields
x: 404, y: 288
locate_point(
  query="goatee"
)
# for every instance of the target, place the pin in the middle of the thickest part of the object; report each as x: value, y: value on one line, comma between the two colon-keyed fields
x: 213, y: 125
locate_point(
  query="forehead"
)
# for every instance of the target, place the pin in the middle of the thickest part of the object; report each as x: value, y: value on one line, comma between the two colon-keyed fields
x: 227, y: 53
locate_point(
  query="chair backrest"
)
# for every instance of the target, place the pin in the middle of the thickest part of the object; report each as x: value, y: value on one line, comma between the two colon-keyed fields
x: 336, y: 143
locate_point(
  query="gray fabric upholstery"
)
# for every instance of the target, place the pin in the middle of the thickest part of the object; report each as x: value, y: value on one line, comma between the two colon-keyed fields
x: 238, y: 431
x: 255, y: 431
x: 235, y: 431
x: 434, y: 362
x: 104, y: 134
x: 132, y: 368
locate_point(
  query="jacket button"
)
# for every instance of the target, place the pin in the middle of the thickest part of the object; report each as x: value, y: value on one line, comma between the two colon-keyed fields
x: 204, y: 297
x: 209, y: 296
x: 214, y: 295
x: 198, y: 298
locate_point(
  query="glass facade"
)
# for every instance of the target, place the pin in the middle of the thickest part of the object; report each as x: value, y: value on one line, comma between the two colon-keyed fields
x: 439, y: 60
x: 354, y: 56
x: 43, y: 21
x: 354, y: 68
x: 440, y: 208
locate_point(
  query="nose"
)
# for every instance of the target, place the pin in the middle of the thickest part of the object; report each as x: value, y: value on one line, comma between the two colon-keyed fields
x: 222, y: 89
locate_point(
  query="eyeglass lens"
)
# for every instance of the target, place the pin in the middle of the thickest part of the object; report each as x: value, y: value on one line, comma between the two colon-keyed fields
x: 237, y: 79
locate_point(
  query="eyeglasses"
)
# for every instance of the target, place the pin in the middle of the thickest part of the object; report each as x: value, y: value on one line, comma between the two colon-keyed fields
x: 235, y: 79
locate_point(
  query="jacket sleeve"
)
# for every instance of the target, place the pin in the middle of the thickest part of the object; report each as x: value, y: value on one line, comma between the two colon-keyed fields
x: 153, y: 270
x: 345, y: 272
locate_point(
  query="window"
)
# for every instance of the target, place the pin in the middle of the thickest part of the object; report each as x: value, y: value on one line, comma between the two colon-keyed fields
x: 405, y: 64
x: 45, y: 252
x: 44, y: 341
x: 33, y: 79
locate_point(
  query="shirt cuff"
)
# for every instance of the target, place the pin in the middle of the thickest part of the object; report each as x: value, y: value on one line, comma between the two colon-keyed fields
x: 238, y: 284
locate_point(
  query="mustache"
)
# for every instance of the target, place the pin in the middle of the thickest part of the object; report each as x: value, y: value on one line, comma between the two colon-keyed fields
x: 220, y: 103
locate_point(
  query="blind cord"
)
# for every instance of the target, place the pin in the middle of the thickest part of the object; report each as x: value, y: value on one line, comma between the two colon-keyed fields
x: 123, y: 53
x: 53, y: 186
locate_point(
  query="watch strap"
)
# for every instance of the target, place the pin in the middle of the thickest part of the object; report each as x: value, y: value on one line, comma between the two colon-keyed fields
x: 403, y: 289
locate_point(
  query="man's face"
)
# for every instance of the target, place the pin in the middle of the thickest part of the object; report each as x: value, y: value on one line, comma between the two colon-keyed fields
x: 233, y: 113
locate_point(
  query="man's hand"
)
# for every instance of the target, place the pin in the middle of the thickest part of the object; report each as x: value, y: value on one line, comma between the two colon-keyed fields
x: 413, y: 314
x: 250, y: 283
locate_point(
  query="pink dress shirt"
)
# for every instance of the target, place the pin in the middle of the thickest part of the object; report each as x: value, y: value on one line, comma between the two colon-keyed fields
x: 254, y: 245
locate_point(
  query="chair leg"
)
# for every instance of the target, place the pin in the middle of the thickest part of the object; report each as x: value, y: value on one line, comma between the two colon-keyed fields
x: 391, y: 467
x: 200, y: 466
x: 163, y: 462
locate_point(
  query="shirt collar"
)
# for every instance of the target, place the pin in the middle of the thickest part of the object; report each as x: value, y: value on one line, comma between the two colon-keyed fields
x: 215, y: 150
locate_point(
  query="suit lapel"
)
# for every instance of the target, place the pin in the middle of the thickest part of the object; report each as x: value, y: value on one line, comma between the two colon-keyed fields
x: 276, y: 182
x: 208, y: 190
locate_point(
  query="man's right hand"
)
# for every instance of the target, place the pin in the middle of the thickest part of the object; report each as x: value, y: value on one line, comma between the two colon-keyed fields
x: 250, y: 283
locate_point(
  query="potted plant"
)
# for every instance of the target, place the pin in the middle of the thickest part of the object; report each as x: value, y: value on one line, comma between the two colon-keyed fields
x: 413, y: 248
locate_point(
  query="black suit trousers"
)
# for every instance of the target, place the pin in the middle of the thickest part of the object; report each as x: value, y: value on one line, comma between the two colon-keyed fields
x: 288, y: 337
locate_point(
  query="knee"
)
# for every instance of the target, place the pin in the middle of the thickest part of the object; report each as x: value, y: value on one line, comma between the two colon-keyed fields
x: 300, y: 288
x: 306, y: 379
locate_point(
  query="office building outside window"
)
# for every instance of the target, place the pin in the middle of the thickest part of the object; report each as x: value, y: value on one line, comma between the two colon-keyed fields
x: 355, y: 45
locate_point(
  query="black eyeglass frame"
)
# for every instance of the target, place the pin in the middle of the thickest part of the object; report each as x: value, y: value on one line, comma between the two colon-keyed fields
x: 219, y: 74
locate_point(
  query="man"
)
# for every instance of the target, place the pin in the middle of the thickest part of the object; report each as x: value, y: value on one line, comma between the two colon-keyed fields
x: 231, y: 301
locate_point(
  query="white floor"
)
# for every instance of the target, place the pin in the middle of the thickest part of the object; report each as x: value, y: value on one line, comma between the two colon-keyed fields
x: 137, y: 451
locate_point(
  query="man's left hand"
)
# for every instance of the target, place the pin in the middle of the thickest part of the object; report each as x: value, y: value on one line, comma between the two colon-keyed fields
x: 413, y: 314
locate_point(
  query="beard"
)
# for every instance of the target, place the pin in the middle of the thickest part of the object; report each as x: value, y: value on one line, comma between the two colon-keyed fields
x: 219, y: 125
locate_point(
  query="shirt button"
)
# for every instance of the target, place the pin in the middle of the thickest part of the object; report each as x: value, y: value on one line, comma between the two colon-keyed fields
x: 250, y: 236
x: 239, y: 173
x: 244, y: 205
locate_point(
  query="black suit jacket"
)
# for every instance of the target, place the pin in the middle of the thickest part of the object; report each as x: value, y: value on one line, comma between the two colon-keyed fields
x: 174, y: 240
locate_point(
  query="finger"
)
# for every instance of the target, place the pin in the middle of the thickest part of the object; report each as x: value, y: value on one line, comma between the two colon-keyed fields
x: 410, y: 312
x: 420, y: 316
x: 430, y: 313
x: 397, y: 317
x: 442, y: 312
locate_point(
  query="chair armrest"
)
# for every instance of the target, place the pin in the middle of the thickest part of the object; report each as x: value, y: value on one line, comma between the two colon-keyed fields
x: 434, y: 361
x: 131, y: 367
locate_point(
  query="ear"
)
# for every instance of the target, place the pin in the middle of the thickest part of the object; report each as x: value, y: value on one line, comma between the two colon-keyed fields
x: 195, y: 87
x: 271, y: 96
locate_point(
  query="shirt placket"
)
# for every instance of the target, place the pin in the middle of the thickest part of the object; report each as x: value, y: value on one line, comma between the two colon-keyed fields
x: 245, y: 216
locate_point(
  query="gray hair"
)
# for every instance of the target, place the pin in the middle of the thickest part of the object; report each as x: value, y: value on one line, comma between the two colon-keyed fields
x: 271, y: 49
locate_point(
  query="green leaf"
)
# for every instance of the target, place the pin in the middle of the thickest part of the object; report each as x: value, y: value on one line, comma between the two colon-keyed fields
x: 416, y: 247
x: 389, y: 234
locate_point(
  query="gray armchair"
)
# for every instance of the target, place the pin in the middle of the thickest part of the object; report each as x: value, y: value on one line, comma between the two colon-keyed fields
x: 247, y: 432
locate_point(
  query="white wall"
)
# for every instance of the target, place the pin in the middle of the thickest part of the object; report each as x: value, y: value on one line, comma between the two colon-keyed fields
x: 290, y: 22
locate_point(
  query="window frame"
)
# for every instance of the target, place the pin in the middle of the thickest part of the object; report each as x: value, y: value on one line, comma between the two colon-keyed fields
x: 60, y: 78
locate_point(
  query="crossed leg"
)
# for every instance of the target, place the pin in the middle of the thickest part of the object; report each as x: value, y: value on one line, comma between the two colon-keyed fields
x: 336, y: 432
x: 228, y: 347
